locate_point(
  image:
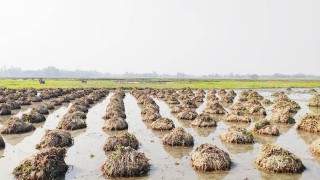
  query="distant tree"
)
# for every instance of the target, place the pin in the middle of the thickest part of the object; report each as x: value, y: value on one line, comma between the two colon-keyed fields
x: 181, y: 75
x: 254, y: 76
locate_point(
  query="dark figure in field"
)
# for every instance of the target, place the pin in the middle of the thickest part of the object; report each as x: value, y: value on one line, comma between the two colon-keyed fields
x: 42, y: 81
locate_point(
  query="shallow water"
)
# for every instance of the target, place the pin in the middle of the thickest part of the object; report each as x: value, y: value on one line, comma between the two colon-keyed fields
x: 166, y: 162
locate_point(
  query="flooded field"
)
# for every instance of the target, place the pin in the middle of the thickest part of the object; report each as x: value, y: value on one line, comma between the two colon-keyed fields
x: 86, y: 156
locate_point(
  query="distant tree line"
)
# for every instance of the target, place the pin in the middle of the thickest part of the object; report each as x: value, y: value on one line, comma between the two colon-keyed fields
x: 53, y: 72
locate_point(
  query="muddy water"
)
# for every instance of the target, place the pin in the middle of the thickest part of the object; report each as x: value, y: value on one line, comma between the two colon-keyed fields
x: 86, y: 156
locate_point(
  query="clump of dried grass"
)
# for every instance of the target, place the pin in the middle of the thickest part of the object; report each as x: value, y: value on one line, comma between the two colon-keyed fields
x: 208, y: 157
x: 279, y: 160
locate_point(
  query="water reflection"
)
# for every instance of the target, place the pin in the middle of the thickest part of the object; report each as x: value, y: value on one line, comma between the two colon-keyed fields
x: 238, y: 148
x: 205, y: 131
x: 177, y: 151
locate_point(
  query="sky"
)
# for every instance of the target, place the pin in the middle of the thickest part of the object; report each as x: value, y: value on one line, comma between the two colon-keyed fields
x: 168, y: 36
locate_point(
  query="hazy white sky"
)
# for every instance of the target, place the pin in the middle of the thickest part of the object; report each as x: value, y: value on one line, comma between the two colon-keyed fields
x: 167, y: 36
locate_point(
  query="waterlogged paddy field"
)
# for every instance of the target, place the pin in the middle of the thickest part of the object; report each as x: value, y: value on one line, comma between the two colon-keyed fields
x: 86, y: 156
x: 158, y: 83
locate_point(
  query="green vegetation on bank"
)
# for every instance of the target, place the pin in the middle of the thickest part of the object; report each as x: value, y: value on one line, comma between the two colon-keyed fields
x: 157, y: 83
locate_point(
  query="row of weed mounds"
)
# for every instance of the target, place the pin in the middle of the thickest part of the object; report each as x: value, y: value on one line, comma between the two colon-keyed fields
x: 124, y: 160
x: 158, y: 83
x: 115, y: 113
x: 49, y: 162
x: 77, y: 114
x: 37, y: 114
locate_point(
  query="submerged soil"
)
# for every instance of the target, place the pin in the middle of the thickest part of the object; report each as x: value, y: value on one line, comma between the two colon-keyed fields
x: 86, y: 155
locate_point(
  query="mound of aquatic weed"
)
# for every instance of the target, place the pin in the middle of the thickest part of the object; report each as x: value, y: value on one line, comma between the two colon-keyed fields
x: 212, y: 98
x: 227, y: 99
x: 178, y: 137
x: 231, y: 93
x: 198, y: 99
x: 267, y: 102
x: 47, y: 164
x: 188, y: 114
x: 279, y: 160
x: 56, y: 102
x: 236, y: 118
x: 200, y: 92
x: 243, y: 95
x: 257, y: 110
x: 172, y: 100
x: 33, y: 117
x: 237, y: 135
x: 264, y: 127
x: 49, y: 105
x: 251, y: 103
x: 211, y: 92
x: 280, y: 95
x: 143, y: 100
x: 5, y: 109
x: 282, y: 116
x: 214, y: 108
x: 55, y: 138
x: 222, y: 92
x: 73, y: 121
x: 283, y: 104
x: 176, y: 109
x: 42, y: 109
x: 123, y: 140
x: 150, y: 117
x: 125, y: 162
x: 309, y: 123
x: 14, y: 105
x: 81, y: 108
x: 204, y: 120
x: 237, y: 106
x: 315, y: 101
x: 312, y: 91
x: 315, y: 147
x: 162, y: 124
x: 149, y: 108
x: 254, y: 95
x: 34, y: 98
x: 16, y: 125
x: 208, y: 158
x: 189, y: 104
x: 2, y: 143
x: 115, y: 112
x: 115, y: 124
